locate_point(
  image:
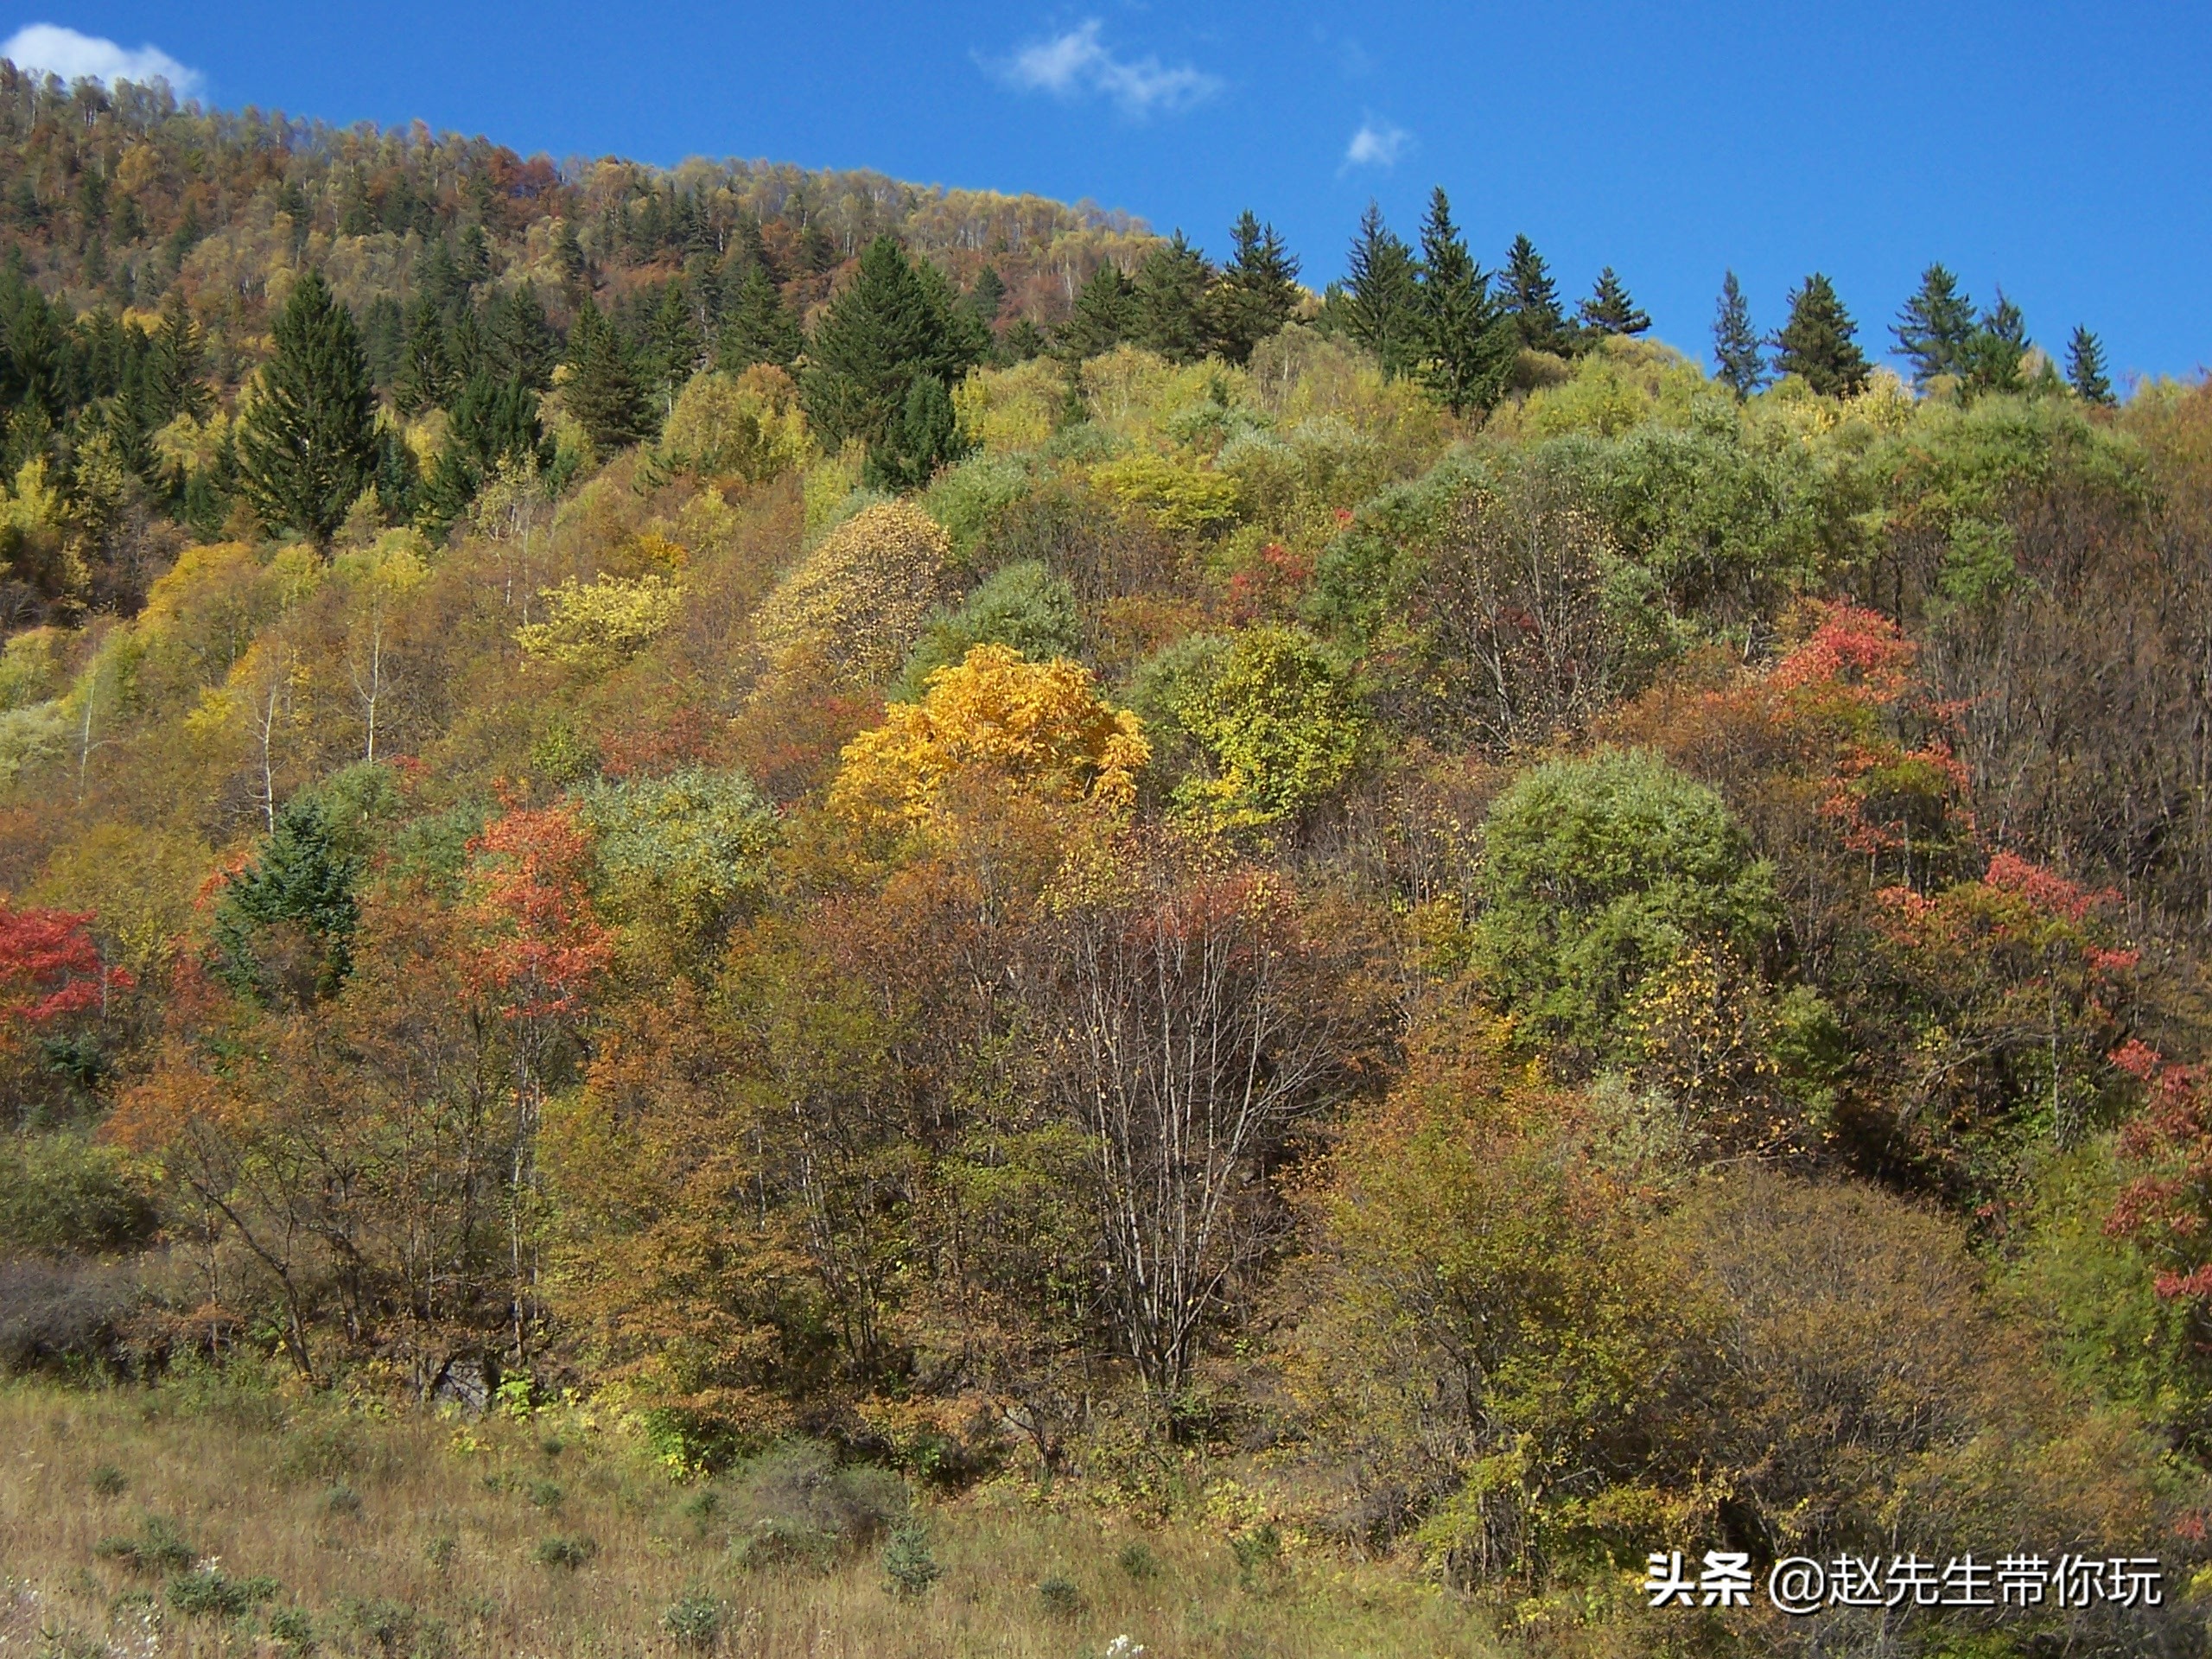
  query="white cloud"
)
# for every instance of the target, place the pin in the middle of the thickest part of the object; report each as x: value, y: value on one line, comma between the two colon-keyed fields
x: 1375, y: 145
x: 1077, y: 63
x: 50, y: 48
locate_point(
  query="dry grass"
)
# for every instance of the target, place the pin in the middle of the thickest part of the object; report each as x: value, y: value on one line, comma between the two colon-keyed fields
x: 392, y: 1534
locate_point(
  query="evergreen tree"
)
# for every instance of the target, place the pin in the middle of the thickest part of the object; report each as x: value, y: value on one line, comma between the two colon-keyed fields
x: 426, y: 377
x: 496, y: 420
x: 568, y: 252
x: 1609, y: 310
x: 1531, y: 299
x: 673, y: 348
x: 383, y: 338
x: 1022, y: 341
x: 2085, y: 368
x: 176, y: 386
x: 890, y: 328
x: 437, y: 278
x: 1170, y: 310
x: 757, y: 327
x: 925, y: 437
x: 967, y: 337
x: 1258, y: 290
x: 1819, y: 343
x: 283, y: 928
x: 1935, y: 326
x: 1736, y: 343
x: 524, y: 347
x: 309, y: 445
x: 1381, y: 299
x: 1467, y: 347
x: 1993, y: 354
x: 1104, y: 317
x: 398, y: 477
x: 465, y: 347
x: 988, y: 297
x: 603, y: 390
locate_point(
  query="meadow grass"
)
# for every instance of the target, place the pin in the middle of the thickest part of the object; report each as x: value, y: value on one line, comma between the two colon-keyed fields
x: 201, y: 1517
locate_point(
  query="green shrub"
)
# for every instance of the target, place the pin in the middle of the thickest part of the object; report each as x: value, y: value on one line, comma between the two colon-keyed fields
x: 694, y: 1621
x: 294, y: 1629
x: 342, y: 1500
x: 1061, y: 1598
x: 208, y: 1593
x: 108, y: 1481
x: 566, y: 1553
x: 1138, y: 1561
x: 158, y: 1547
x: 908, y: 1562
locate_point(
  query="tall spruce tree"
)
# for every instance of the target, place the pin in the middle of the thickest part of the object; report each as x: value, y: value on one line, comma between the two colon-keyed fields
x: 522, y: 344
x: 1258, y: 289
x: 985, y: 299
x: 308, y: 445
x: 2085, y: 368
x: 757, y: 326
x: 1735, y: 344
x: 1935, y: 326
x: 1819, y: 342
x: 1531, y: 299
x: 175, y: 385
x: 1609, y: 310
x: 1104, y: 315
x: 603, y: 390
x: 1382, y: 297
x: 894, y: 326
x: 426, y: 377
x: 1997, y: 349
x: 1171, y: 300
x: 1467, y: 347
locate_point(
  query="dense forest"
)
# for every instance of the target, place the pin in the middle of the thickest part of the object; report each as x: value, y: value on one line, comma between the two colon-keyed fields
x: 925, y: 830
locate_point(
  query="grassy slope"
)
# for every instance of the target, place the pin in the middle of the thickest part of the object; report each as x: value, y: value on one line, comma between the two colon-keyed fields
x: 248, y: 1480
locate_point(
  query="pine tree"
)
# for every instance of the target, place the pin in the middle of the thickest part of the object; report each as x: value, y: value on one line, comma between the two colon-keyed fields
x: 1736, y: 343
x: 1171, y: 300
x: 1531, y: 299
x: 603, y: 390
x: 1933, y: 327
x: 2085, y: 368
x: 1382, y: 297
x: 1819, y: 343
x: 1258, y: 290
x: 179, y: 360
x: 672, y: 348
x: 496, y: 420
x: 925, y: 437
x: 284, y: 925
x: 426, y: 377
x: 757, y: 327
x: 1104, y: 317
x: 568, y: 252
x: 522, y: 344
x: 1467, y: 347
x: 988, y: 297
x: 1609, y: 310
x: 890, y: 328
x: 309, y: 445
x: 1994, y: 353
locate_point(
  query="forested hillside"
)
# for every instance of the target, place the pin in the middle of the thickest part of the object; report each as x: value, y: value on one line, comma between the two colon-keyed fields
x: 919, y: 849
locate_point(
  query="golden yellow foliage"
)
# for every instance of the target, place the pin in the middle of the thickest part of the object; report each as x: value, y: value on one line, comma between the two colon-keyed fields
x: 1039, y: 729
x: 599, y: 626
x: 749, y: 425
x: 1178, y: 495
x: 1010, y: 409
x: 860, y: 598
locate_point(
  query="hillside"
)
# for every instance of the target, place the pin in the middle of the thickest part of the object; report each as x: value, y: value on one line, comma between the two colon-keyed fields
x: 971, y: 899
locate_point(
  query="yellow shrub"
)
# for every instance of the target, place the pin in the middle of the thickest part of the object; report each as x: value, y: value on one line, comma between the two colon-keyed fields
x: 1007, y: 410
x: 600, y: 627
x: 749, y: 425
x: 859, y: 597
x: 1039, y: 729
x: 1177, y: 495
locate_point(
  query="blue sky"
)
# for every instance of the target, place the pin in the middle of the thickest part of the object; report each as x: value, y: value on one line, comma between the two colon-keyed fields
x: 2056, y: 149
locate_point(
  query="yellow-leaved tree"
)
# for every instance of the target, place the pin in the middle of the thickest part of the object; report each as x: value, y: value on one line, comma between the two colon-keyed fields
x: 994, y: 726
x: 600, y: 626
x: 855, y: 603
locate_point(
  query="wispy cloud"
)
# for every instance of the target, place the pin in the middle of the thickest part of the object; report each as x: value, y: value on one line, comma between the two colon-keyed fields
x: 1376, y: 145
x: 50, y: 48
x: 1078, y: 64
